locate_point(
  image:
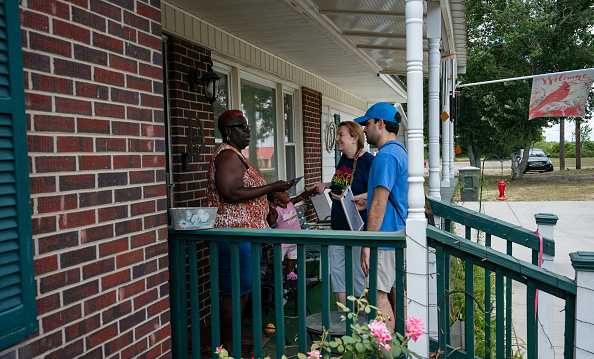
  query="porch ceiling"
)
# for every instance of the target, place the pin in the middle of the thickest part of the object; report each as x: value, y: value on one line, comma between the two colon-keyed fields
x: 348, y: 42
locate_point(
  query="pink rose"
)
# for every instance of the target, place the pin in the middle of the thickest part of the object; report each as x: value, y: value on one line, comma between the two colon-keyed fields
x: 414, y: 328
x: 387, y: 346
x: 314, y: 354
x: 379, y: 331
x: 219, y: 350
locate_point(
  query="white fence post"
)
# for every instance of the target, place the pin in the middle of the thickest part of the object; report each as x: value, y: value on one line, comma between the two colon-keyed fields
x: 583, y: 263
x: 546, y: 227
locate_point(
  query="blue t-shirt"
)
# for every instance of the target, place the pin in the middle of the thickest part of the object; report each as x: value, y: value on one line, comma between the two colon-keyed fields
x: 341, y: 178
x: 390, y: 170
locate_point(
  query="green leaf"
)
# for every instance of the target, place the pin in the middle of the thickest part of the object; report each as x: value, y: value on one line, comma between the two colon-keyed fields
x: 367, y: 310
x: 338, y: 340
x: 348, y: 355
x: 341, y: 348
x: 396, y: 351
x: 333, y: 344
x: 348, y: 339
x: 302, y: 356
x: 351, y: 298
x: 359, y: 347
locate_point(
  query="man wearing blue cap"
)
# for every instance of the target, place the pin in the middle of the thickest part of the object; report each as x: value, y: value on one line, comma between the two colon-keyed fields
x: 387, y: 191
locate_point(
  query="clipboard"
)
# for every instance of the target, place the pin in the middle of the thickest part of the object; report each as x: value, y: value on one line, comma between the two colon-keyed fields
x: 350, y: 210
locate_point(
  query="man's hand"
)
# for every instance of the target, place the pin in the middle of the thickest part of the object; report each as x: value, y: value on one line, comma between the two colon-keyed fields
x: 365, y: 260
x: 319, y: 188
x: 360, y: 201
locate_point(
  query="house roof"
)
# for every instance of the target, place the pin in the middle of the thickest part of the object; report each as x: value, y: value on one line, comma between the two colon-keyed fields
x: 355, y: 44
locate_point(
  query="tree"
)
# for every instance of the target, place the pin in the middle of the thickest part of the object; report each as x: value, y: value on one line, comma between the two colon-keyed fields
x: 512, y: 39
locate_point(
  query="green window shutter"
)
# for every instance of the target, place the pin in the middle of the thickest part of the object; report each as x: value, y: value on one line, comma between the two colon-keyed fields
x: 17, y: 287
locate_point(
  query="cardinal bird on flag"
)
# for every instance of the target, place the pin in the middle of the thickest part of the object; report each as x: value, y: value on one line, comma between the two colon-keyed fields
x: 567, y: 94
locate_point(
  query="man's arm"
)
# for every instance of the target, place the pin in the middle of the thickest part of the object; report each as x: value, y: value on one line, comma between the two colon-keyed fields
x: 375, y: 218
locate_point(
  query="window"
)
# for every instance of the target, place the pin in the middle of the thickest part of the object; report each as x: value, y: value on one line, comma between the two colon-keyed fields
x: 223, y: 102
x: 290, y: 148
x: 17, y: 285
x: 258, y: 106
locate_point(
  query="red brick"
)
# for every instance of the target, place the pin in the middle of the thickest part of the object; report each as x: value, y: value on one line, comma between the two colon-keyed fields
x: 112, y: 280
x: 69, y: 105
x: 61, y: 318
x: 113, y: 213
x: 97, y: 233
x: 54, y: 123
x: 108, y: 43
x: 38, y: 102
x: 40, y: 143
x: 89, y: 19
x: 86, y: 54
x: 116, y: 246
x: 148, y: 11
x: 41, y: 82
x: 91, y: 125
x: 77, y: 219
x: 38, y: 62
x: 42, y: 184
x: 133, y: 351
x: 126, y: 227
x: 138, y: 145
x: 45, y: 265
x: 143, y: 239
x: 153, y: 161
x: 48, y: 304
x: 142, y: 177
x: 137, y: 209
x: 152, y: 71
x: 138, y: 83
x: 99, y: 303
x: 156, y: 250
x: 38, y: 347
x: 77, y: 182
x: 147, y: 297
x: 34, y: 21
x: 83, y: 327
x: 109, y: 110
x: 109, y: 77
x: 126, y: 259
x: 51, y: 7
x: 94, y: 162
x: 57, y: 203
x: 136, y: 22
x: 124, y: 64
x: 78, y: 256
x: 118, y: 343
x: 72, y: 69
x: 59, y: 280
x: 153, y: 131
x: 80, y: 292
x: 146, y: 328
x: 71, y: 31
x: 94, y: 91
x: 105, y: 9
x: 110, y: 144
x: 55, y: 164
x: 49, y: 44
x: 101, y: 336
x: 150, y: 41
x: 131, y: 290
x: 139, y: 114
x: 74, y: 144
x: 157, y: 279
x: 117, y: 311
x: 98, y: 268
x: 123, y: 32
x: 156, y: 220
x: 126, y: 161
x: 58, y: 241
x: 72, y: 350
x: 125, y: 129
x: 158, y: 307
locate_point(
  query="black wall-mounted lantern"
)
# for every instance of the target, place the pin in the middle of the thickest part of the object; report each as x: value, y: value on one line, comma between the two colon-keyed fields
x: 210, y: 80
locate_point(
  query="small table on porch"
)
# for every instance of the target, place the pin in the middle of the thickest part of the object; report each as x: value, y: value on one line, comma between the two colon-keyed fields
x: 313, y: 323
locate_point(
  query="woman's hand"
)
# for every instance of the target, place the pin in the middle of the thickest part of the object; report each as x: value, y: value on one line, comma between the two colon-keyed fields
x: 319, y: 187
x: 281, y: 186
x: 272, y: 214
x: 360, y: 201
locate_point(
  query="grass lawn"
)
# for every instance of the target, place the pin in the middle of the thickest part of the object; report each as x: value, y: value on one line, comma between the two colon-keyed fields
x: 569, y: 185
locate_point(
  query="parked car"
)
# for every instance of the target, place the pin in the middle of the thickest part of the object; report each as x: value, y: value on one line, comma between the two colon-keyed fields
x: 538, y: 161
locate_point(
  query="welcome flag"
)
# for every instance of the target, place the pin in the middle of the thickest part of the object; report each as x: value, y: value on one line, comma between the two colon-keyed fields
x: 561, y: 94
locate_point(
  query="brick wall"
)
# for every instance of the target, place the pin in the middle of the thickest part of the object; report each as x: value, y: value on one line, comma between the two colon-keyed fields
x: 93, y: 83
x: 184, y: 104
x: 312, y: 141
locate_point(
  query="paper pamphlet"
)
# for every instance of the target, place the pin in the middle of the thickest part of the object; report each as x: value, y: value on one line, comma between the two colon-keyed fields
x: 350, y: 210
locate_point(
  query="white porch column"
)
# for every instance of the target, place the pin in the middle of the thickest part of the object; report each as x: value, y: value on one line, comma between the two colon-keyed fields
x: 434, y: 36
x: 416, y: 250
x: 452, y: 154
x: 583, y: 263
x: 445, y: 125
x: 453, y: 92
x: 546, y: 227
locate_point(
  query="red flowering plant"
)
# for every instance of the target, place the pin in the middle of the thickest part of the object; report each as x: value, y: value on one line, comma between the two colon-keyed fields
x: 370, y: 340
x: 373, y: 339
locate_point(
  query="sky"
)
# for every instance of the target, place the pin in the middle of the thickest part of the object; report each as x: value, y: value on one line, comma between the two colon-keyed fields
x: 552, y: 133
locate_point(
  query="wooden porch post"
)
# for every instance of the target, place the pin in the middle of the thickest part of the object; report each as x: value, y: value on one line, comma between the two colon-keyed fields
x: 445, y: 125
x: 416, y: 237
x: 583, y: 263
x: 546, y: 227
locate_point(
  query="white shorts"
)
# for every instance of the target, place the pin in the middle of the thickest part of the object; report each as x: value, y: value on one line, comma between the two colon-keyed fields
x: 290, y: 252
x: 386, y: 270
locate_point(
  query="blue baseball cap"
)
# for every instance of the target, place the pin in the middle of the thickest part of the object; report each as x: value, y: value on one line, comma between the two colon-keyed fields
x: 382, y: 110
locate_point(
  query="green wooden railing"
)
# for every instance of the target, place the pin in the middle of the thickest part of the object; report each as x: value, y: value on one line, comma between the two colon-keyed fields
x: 184, y: 280
x: 506, y: 269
